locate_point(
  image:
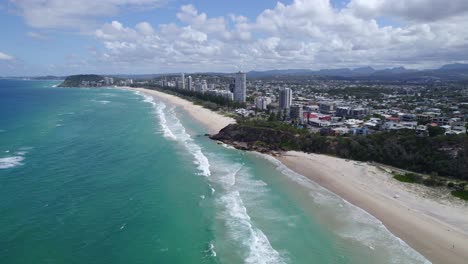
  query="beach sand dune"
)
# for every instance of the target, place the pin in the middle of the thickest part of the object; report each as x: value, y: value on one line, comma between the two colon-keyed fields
x: 434, y: 225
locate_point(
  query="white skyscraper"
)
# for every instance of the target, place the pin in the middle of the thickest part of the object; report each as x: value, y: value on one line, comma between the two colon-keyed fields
x: 182, y: 79
x: 204, y: 86
x: 240, y: 87
x: 189, y: 83
x: 262, y: 102
x: 285, y: 98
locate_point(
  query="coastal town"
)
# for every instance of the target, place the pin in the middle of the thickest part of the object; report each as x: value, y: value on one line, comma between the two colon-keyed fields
x: 330, y: 106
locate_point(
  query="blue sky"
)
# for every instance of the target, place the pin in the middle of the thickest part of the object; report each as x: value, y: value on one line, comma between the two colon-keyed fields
x: 149, y: 36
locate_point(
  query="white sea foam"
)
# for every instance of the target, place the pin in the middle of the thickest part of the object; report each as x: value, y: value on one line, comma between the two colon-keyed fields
x: 25, y: 148
x: 174, y: 130
x: 227, y: 146
x: 235, y: 181
x: 11, y: 162
x: 360, y: 225
x: 181, y: 135
x: 243, y: 232
x: 108, y: 94
x: 210, y: 251
x: 163, y: 122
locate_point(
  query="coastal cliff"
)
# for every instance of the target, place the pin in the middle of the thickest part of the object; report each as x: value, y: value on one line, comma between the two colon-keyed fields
x: 244, y: 136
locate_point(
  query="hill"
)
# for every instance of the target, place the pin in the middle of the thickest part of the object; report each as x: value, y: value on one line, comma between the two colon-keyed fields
x: 78, y: 80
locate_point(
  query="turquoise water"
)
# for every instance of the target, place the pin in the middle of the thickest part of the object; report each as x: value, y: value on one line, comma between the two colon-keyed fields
x: 112, y: 176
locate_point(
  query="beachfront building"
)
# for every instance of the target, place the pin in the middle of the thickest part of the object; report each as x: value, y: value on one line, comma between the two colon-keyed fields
x: 182, y: 81
x: 204, y: 87
x: 285, y: 98
x: 222, y: 93
x: 240, y: 88
x: 262, y: 102
x: 189, y: 83
x: 108, y: 80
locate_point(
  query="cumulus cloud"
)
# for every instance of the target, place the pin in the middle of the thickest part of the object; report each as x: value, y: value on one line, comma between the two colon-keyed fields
x: 74, y: 14
x: 303, y: 34
x: 6, y: 57
x: 419, y: 10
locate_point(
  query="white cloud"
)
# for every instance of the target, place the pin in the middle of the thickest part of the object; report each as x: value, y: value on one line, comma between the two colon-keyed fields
x: 74, y: 14
x: 36, y: 35
x: 419, y: 10
x: 303, y: 34
x: 145, y: 28
x: 6, y: 57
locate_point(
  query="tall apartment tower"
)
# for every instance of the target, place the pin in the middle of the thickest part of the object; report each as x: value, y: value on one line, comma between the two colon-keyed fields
x: 285, y: 98
x: 189, y: 83
x: 182, y: 79
x: 240, y: 87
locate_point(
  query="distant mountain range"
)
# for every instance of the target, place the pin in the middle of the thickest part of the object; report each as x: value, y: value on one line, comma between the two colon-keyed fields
x: 447, y: 72
x: 456, y: 72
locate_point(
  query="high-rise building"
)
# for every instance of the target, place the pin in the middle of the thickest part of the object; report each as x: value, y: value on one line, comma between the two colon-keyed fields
x: 240, y: 88
x: 182, y: 80
x: 222, y: 93
x: 262, y: 102
x: 201, y: 86
x: 297, y: 112
x: 285, y: 98
x: 232, y: 87
x: 189, y: 83
x: 108, y: 80
x: 204, y: 86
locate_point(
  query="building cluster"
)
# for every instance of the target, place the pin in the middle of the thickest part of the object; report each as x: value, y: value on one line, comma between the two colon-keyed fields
x: 233, y: 89
x: 105, y: 81
x: 339, y: 108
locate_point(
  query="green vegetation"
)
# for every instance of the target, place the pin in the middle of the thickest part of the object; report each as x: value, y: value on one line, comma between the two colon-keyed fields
x: 435, y: 131
x: 439, y: 155
x: 462, y: 194
x: 276, y: 125
x: 408, y: 177
x: 75, y: 80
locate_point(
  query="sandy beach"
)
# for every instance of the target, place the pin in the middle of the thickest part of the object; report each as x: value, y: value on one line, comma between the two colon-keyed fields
x: 435, y: 226
x: 433, y: 223
x: 210, y: 119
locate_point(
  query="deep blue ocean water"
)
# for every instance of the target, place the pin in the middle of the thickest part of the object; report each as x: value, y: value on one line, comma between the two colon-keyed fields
x: 113, y: 176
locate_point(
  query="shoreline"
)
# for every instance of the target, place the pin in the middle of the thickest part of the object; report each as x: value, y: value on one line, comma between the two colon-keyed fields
x: 434, y: 226
x: 437, y: 229
x: 213, y: 121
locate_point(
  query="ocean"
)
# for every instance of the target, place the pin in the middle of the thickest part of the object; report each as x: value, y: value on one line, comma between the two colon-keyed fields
x: 114, y: 176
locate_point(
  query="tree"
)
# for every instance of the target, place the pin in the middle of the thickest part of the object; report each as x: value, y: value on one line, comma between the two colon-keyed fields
x: 278, y: 115
x: 272, y: 117
x: 435, y: 131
